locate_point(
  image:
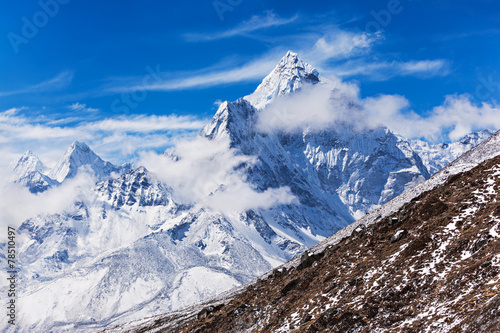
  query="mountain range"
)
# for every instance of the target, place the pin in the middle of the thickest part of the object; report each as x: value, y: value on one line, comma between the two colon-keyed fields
x: 131, y: 246
x: 428, y: 261
x: 32, y: 173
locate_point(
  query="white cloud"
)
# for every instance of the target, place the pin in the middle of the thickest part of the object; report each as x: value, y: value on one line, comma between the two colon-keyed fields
x: 146, y: 124
x: 315, y: 108
x: 340, y: 44
x: 321, y: 107
x: 255, y: 23
x: 437, y: 67
x: 118, y: 139
x: 209, y: 172
x: 455, y: 118
x: 60, y: 81
x: 17, y: 203
x: 80, y: 107
x: 254, y: 70
x: 384, y: 70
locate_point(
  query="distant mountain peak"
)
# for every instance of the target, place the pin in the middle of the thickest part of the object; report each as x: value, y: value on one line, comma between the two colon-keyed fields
x: 78, y: 155
x: 28, y: 163
x: 476, y: 137
x: 26, y: 156
x: 28, y: 153
x: 29, y: 171
x: 437, y: 156
x: 290, y: 75
x: 79, y: 146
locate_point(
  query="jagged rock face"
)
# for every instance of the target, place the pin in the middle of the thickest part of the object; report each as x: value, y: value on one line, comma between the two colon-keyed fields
x: 135, y: 187
x: 233, y: 120
x: 37, y: 182
x: 433, y: 266
x: 364, y: 169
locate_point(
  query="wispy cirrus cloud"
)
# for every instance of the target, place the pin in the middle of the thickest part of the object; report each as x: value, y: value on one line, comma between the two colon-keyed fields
x: 215, y: 76
x: 60, y: 81
x: 339, y: 44
x: 386, y: 70
x: 81, y: 107
x: 147, y: 124
x: 333, y: 50
x: 437, y: 67
x: 255, y: 23
x: 316, y: 49
x: 118, y: 139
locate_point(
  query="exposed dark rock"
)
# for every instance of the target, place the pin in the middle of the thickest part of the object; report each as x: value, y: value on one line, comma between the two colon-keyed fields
x: 305, y: 320
x: 289, y: 287
x: 306, y: 260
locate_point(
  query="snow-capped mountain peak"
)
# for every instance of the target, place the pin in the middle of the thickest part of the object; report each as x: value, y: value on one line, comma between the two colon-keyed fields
x: 29, y: 171
x: 78, y: 155
x: 476, y: 138
x: 435, y: 157
x: 234, y: 120
x: 27, y: 164
x: 290, y: 75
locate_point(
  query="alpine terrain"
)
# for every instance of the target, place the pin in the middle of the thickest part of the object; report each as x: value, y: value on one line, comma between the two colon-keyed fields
x: 427, y: 261
x: 131, y: 246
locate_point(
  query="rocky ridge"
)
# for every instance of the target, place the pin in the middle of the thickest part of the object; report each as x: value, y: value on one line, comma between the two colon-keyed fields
x: 428, y: 261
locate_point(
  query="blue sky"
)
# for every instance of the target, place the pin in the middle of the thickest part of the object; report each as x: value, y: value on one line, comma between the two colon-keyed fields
x: 132, y: 75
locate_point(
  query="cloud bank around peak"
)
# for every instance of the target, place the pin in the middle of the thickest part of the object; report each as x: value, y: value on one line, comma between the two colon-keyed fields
x: 322, y: 107
x: 17, y: 203
x: 211, y: 173
x: 455, y: 118
x: 314, y: 108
